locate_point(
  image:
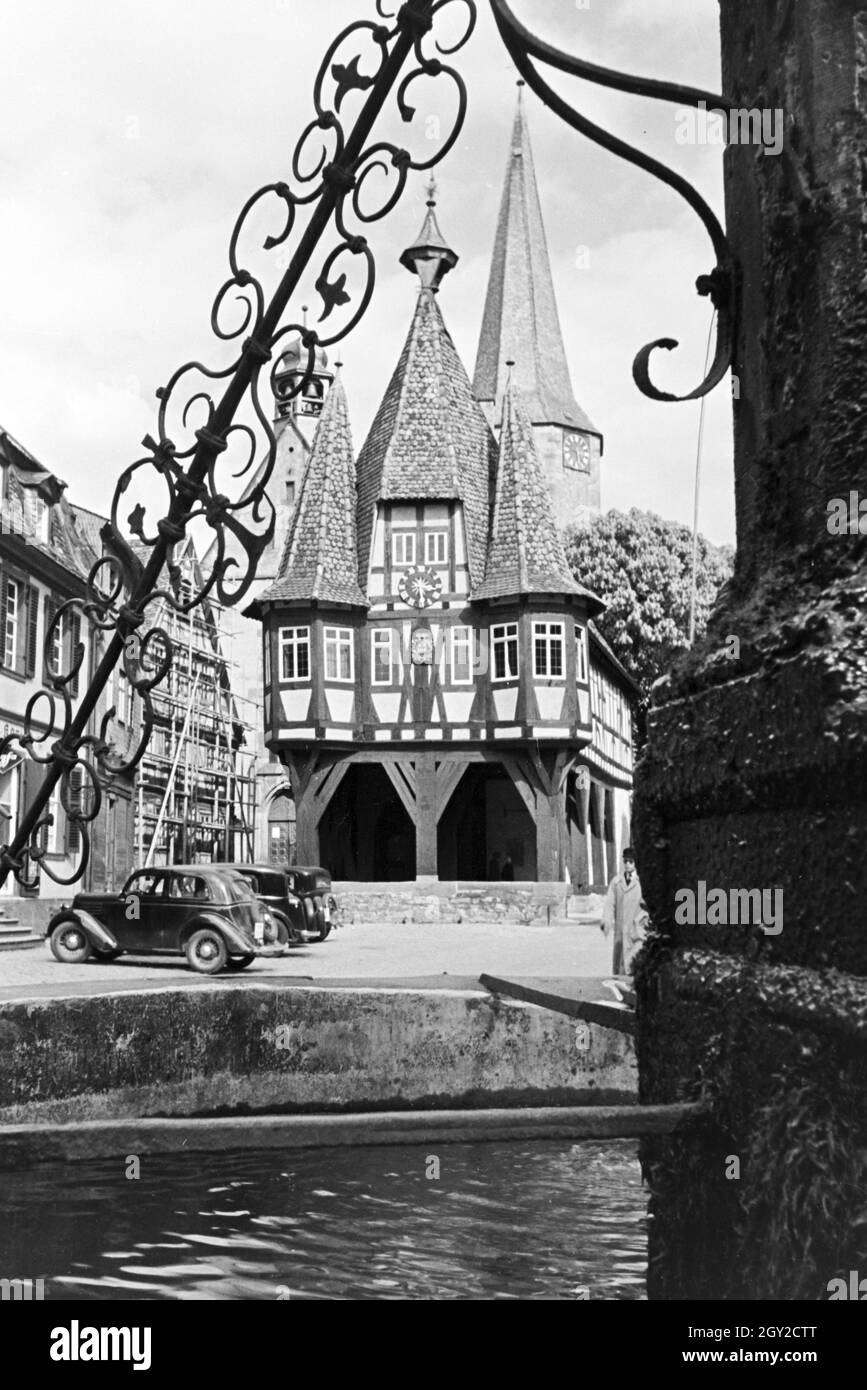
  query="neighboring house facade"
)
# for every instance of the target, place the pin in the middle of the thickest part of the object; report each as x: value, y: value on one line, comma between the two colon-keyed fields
x: 194, y: 786
x: 47, y: 549
x: 434, y: 684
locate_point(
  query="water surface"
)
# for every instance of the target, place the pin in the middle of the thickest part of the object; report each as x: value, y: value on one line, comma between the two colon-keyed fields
x: 540, y: 1220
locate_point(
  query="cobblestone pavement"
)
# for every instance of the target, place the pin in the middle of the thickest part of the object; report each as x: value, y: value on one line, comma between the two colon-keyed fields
x: 434, y: 953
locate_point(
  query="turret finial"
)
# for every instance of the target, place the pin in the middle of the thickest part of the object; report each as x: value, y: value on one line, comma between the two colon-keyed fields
x: 430, y: 257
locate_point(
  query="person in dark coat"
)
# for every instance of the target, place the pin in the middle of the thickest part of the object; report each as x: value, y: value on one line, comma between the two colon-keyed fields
x: 508, y: 870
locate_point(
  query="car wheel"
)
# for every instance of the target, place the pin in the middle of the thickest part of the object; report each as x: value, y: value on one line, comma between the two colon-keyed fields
x: 324, y: 930
x: 69, y: 942
x: 206, y: 951
x: 285, y: 935
x: 239, y: 962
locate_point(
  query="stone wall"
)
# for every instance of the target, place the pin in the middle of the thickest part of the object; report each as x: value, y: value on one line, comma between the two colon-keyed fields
x: 238, y: 1049
x: 452, y: 902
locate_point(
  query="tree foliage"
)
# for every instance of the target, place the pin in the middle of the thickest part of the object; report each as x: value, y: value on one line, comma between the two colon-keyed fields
x: 640, y: 566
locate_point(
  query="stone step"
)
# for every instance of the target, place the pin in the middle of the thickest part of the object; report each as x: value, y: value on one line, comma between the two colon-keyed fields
x: 24, y: 942
x: 13, y: 935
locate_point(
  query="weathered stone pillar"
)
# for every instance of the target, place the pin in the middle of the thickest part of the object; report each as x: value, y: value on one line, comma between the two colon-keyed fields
x: 755, y: 775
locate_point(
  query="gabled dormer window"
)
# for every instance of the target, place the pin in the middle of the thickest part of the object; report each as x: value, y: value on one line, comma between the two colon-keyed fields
x: 436, y: 548
x: 403, y: 548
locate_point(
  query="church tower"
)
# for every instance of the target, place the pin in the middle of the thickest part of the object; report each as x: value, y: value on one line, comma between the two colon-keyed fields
x: 521, y: 325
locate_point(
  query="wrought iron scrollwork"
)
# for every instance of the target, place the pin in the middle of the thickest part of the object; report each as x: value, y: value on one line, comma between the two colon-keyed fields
x: 201, y: 447
x: 721, y: 284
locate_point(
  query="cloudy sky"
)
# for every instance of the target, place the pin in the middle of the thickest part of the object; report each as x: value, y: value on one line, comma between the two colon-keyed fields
x: 132, y: 134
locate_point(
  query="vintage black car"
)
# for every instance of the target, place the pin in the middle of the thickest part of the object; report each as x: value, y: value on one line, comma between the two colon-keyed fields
x: 299, y: 896
x: 208, y: 914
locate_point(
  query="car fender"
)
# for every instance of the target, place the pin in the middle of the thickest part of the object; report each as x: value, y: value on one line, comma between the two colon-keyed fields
x: 97, y: 934
x: 241, y: 942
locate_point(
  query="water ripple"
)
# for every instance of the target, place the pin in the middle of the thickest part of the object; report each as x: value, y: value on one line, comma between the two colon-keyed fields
x: 502, y: 1221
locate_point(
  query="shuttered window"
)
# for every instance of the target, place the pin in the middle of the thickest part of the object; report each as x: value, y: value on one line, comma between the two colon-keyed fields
x: 54, y: 652
x: 19, y: 609
x: 74, y: 801
x: 64, y: 642
x: 30, y: 660
x: 11, y: 599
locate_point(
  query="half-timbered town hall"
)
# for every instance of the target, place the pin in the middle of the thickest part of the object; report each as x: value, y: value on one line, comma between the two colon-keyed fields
x: 433, y: 680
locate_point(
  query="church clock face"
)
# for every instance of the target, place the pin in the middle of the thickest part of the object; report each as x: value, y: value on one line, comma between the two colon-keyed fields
x: 576, y: 451
x: 420, y: 586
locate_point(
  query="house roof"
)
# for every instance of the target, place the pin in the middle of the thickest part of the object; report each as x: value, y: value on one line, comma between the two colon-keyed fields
x: 600, y: 646
x: 27, y: 470
x: 430, y: 440
x: 525, y: 552
x: 520, y: 321
x: 89, y: 525
x: 62, y: 542
x: 320, y: 558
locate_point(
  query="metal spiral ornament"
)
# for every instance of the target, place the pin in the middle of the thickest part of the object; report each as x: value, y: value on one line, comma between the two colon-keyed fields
x: 199, y: 447
x: 721, y: 285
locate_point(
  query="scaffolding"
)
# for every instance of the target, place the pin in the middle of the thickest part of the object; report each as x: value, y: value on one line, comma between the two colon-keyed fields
x: 196, y: 792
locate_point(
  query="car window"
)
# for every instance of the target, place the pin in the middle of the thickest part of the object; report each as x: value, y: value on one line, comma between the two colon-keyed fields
x: 188, y: 887
x: 145, y: 883
x: 239, y: 888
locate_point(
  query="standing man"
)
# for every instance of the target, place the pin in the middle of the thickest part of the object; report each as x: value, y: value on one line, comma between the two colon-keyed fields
x: 625, y: 914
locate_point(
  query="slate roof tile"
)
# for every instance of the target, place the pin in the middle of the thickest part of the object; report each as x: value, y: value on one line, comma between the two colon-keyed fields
x: 430, y: 440
x: 320, y: 558
x: 525, y: 552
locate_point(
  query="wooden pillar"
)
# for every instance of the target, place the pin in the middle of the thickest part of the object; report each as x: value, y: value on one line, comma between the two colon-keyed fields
x: 426, y: 816
x: 580, y: 868
x: 551, y: 836
x: 306, y: 832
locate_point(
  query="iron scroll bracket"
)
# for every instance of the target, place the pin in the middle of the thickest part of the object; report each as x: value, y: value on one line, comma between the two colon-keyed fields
x: 721, y: 285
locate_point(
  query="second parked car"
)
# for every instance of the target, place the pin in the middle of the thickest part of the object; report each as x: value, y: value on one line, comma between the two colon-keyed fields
x: 299, y: 897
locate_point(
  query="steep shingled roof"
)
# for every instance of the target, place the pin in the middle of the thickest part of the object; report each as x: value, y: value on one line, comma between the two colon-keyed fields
x: 430, y: 440
x: 320, y: 559
x: 29, y: 486
x: 525, y: 552
x: 520, y: 319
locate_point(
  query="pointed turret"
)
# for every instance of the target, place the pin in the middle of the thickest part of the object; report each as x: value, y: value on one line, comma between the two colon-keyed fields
x: 521, y: 320
x: 430, y: 257
x: 320, y: 560
x: 429, y: 440
x: 525, y: 551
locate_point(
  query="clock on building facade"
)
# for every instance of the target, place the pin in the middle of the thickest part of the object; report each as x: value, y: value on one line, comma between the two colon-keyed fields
x: 420, y: 586
x: 576, y: 451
